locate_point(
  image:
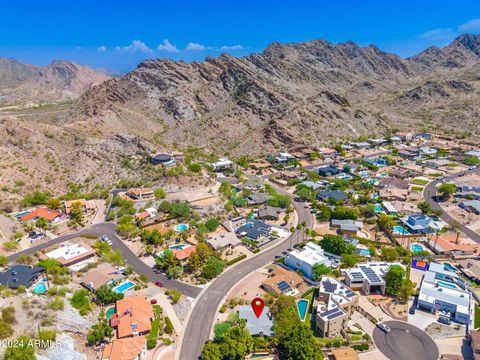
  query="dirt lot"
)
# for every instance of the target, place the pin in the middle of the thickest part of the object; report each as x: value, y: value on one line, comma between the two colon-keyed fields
x: 249, y: 287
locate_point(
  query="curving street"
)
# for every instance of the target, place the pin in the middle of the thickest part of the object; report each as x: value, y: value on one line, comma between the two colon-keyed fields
x: 201, y: 320
x: 430, y: 196
x: 405, y: 342
x: 131, y: 259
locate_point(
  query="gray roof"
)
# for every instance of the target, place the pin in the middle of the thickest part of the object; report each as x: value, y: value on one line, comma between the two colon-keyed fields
x: 219, y: 241
x: 254, y: 229
x: 269, y: 211
x: 262, y: 325
x: 20, y: 275
x: 336, y: 194
x: 259, y: 197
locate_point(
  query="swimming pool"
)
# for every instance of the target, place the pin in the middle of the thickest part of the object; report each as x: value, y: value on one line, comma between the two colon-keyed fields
x: 416, y: 247
x: 109, y: 313
x: 259, y: 356
x: 40, y: 288
x: 400, y: 230
x: 178, y: 246
x: 302, y: 306
x: 378, y: 208
x: 181, y: 227
x: 364, y: 173
x: 123, y: 287
x: 449, y: 267
x: 364, y: 252
x: 451, y: 286
x: 20, y: 214
x: 373, y: 182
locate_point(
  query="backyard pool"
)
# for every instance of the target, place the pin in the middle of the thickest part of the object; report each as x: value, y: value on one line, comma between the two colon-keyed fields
x: 364, y: 173
x: 109, y: 313
x: 449, y: 267
x: 123, y: 287
x: 373, y: 182
x: 400, y: 230
x: 378, y: 208
x: 20, y: 214
x: 302, y: 306
x: 178, y: 246
x: 259, y: 355
x: 416, y: 247
x: 40, y: 288
x: 451, y: 286
x: 181, y: 227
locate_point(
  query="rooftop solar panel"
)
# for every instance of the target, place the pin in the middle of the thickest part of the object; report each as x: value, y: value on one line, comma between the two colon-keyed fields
x: 329, y: 312
x: 283, y: 285
x: 334, y: 315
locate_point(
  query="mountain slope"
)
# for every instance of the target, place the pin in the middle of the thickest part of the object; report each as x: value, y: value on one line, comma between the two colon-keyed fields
x: 60, y: 80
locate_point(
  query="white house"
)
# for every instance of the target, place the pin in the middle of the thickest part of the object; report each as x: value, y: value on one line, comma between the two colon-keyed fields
x: 222, y: 164
x: 305, y: 259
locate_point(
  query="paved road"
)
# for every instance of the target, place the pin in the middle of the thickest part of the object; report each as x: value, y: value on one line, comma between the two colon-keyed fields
x: 201, y: 320
x: 430, y: 196
x: 405, y: 342
x: 131, y: 259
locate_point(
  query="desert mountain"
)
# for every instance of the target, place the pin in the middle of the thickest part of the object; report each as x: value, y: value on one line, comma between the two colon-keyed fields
x: 60, y: 80
x: 313, y: 93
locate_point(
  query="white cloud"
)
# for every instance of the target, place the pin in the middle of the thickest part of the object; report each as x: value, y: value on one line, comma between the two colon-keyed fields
x: 470, y: 26
x: 195, y: 46
x: 232, y: 47
x: 438, y: 34
x: 102, y: 48
x: 135, y: 46
x: 167, y: 46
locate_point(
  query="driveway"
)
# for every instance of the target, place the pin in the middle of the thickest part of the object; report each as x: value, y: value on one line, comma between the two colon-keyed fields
x: 405, y: 342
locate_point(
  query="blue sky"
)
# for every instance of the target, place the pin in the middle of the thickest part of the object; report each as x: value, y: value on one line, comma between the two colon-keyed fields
x: 117, y: 35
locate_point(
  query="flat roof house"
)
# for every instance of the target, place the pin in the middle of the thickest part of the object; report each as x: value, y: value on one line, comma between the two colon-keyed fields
x: 368, y: 277
x: 133, y: 316
x: 257, y: 326
x: 140, y: 193
x: 163, y: 159
x: 443, y: 290
x: 70, y: 253
x: 20, y: 275
x: 305, y: 259
x: 223, y: 240
x: 418, y: 223
x: 334, y: 305
x: 335, y: 194
x: 472, y: 205
x: 347, y: 226
x: 283, y: 158
x: 222, y: 164
x: 125, y: 349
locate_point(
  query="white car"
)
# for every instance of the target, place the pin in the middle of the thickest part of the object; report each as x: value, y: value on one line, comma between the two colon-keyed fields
x: 384, y: 327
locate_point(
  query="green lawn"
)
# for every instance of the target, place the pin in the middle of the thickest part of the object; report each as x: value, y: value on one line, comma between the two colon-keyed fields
x: 155, y: 326
x: 476, y: 319
x: 417, y: 188
x: 420, y: 181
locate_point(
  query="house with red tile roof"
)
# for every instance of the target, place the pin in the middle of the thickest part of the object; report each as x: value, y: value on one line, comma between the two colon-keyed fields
x: 134, y: 348
x: 41, y: 212
x: 133, y: 317
x: 184, y: 253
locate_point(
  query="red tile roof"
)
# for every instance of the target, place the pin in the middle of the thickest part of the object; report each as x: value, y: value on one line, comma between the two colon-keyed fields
x: 41, y: 212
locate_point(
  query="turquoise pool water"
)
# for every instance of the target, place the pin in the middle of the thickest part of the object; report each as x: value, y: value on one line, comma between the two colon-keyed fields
x: 364, y: 252
x: 181, y: 227
x: 451, y: 286
x: 302, y: 306
x: 416, y: 248
x: 177, y: 246
x: 20, y: 214
x: 373, y: 182
x: 258, y: 356
x: 449, y: 267
x: 364, y: 173
x: 400, y: 230
x: 123, y: 287
x: 109, y: 313
x: 40, y: 288
x: 378, y: 208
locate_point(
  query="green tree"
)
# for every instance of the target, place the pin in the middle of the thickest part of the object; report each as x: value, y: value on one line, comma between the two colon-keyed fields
x: 76, y: 213
x: 81, y: 301
x: 349, y: 260
x: 160, y: 193
x: 335, y: 244
x: 406, y: 291
x: 324, y: 213
x: 220, y: 330
x: 180, y: 210
x: 447, y: 189
x: 212, y: 351
x: 299, y: 344
x: 212, y: 224
x: 105, y: 295
x: 344, y: 213
x: 213, y: 268
x: 237, y: 343
x: 53, y: 203
x: 99, y: 332
x: 195, y: 167
x: 389, y: 254
x: 175, y: 271
x: 394, y: 279
x: 386, y: 221
x: 174, y: 295
x: 320, y: 269
x: 42, y: 224
x: 3, y: 260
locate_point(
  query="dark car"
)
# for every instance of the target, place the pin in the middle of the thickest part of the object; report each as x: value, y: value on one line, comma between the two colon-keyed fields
x: 153, y: 301
x: 158, y: 283
x: 411, y: 311
x: 444, y: 320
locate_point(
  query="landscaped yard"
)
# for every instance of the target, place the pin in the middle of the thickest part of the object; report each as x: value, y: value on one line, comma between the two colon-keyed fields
x: 152, y: 337
x: 476, y: 320
x: 420, y: 181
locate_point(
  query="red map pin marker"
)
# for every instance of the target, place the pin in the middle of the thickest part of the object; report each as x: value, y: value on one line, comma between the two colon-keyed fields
x: 257, y: 305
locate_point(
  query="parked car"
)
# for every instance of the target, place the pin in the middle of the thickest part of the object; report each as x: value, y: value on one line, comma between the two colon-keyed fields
x: 158, y: 283
x: 153, y: 301
x: 104, y: 237
x: 412, y: 310
x: 444, y: 320
x: 384, y: 327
